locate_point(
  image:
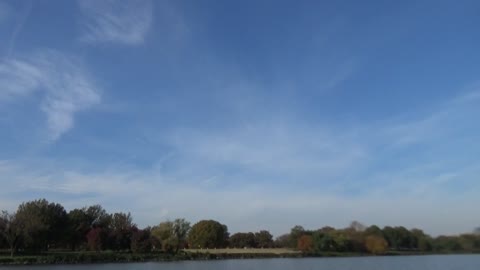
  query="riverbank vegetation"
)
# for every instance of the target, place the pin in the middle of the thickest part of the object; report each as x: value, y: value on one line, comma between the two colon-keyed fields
x: 44, y: 232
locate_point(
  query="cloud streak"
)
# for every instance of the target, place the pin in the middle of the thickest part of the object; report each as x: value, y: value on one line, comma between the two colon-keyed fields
x: 152, y: 197
x: 126, y: 22
x: 64, y: 86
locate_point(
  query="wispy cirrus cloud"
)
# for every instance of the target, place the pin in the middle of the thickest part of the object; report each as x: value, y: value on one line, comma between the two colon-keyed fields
x: 65, y: 86
x: 152, y: 197
x: 125, y: 22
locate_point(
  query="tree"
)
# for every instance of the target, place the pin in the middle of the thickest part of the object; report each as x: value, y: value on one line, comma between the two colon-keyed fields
x: 120, y: 231
x: 181, y: 227
x: 98, y: 217
x: 323, y: 241
x: 11, y: 230
x: 399, y: 238
x: 295, y: 233
x: 172, y: 235
x: 422, y: 241
x: 208, y: 234
x: 447, y: 244
x: 165, y: 234
x: 96, y: 239
x: 264, y: 239
x: 374, y: 230
x: 357, y: 226
x: 243, y: 240
x: 44, y: 223
x: 305, y: 244
x: 282, y: 241
x: 376, y: 244
x: 78, y: 226
x: 141, y: 240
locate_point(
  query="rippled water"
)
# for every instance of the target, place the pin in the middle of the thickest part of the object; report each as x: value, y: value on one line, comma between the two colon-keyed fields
x: 444, y: 262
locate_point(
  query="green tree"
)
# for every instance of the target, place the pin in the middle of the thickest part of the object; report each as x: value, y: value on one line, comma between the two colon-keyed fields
x: 447, y: 244
x: 181, y: 227
x: 43, y: 223
x: 323, y: 241
x: 208, y: 234
x: 374, y: 230
x: 78, y: 226
x: 98, y: 217
x: 422, y: 241
x: 172, y: 235
x: 264, y: 239
x: 164, y: 233
x: 295, y: 233
x: 399, y: 238
x: 243, y: 240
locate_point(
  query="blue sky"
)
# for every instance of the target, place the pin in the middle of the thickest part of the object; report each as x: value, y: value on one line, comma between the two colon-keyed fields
x: 261, y: 114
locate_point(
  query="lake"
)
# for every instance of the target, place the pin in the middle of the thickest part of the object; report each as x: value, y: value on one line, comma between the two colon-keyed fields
x: 437, y: 262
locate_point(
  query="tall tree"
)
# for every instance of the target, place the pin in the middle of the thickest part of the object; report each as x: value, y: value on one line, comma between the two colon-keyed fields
x: 11, y: 230
x: 181, y: 227
x: 98, y: 217
x: 79, y: 224
x: 295, y: 233
x: 172, y: 234
x: 208, y: 234
x: 165, y: 234
x: 264, y: 239
x: 120, y: 231
x: 44, y: 223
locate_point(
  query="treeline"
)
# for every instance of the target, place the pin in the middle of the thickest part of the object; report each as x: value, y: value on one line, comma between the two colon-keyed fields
x: 358, y: 238
x: 39, y: 226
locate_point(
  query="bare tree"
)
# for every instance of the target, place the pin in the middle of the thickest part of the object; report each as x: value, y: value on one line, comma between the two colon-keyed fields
x: 11, y: 230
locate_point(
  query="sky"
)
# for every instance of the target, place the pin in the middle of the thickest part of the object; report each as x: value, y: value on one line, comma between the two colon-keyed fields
x: 259, y: 114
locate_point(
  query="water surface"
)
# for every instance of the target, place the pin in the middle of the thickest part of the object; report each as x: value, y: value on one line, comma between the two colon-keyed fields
x: 437, y: 262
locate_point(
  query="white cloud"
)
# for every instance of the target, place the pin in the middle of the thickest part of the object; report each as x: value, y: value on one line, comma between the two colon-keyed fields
x: 152, y: 197
x: 125, y: 21
x: 64, y: 86
x: 441, y: 122
x: 270, y: 149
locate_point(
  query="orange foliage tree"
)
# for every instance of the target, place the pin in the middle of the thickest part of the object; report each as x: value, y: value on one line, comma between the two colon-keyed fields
x: 305, y: 243
x: 376, y: 244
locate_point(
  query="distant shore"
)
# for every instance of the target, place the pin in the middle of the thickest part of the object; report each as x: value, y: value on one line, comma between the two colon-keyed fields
x: 199, y: 255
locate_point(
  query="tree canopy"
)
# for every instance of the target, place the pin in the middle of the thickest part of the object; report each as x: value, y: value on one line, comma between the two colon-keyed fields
x: 40, y: 225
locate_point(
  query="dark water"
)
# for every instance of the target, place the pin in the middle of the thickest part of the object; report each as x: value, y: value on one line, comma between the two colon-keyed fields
x: 449, y: 262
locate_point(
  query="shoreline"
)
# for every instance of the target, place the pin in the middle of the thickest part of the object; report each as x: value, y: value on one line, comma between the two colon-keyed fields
x: 113, y: 257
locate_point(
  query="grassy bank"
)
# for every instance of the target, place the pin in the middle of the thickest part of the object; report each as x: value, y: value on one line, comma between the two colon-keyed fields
x: 120, y: 257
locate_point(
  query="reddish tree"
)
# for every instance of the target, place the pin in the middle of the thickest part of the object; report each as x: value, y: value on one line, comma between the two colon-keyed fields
x: 96, y: 239
x: 305, y: 243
